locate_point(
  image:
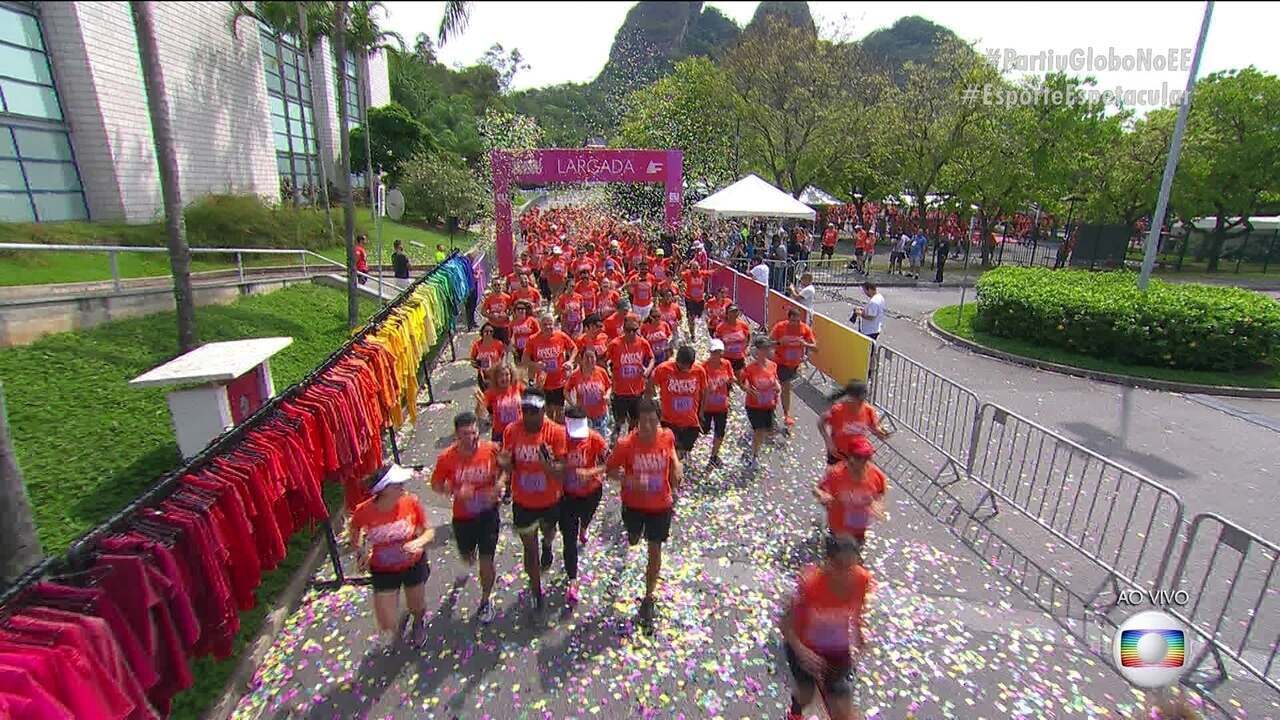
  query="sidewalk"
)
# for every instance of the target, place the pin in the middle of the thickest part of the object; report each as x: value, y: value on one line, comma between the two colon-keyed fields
x: 951, y: 639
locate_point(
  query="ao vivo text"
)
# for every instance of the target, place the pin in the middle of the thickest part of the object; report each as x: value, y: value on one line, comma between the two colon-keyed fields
x: 1138, y: 597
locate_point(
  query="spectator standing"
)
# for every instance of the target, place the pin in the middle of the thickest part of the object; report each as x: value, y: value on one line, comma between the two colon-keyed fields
x: 918, y: 244
x: 870, y: 316
x: 400, y: 261
x: 940, y: 256
x: 761, y: 272
x: 362, y: 259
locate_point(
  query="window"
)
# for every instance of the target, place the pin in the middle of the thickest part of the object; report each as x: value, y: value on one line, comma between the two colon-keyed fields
x: 292, y: 122
x: 39, y: 181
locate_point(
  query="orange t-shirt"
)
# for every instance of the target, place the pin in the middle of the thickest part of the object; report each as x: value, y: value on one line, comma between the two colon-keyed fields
x: 571, y: 309
x: 790, y: 351
x: 556, y: 269
x: 681, y: 393
x: 521, y: 331
x: 487, y: 352
x: 600, y: 343
x: 850, y: 511
x: 551, y: 351
x: 588, y: 290
x: 613, y: 324
x: 588, y: 391
x: 532, y: 486
x: 472, y: 480
x: 695, y: 284
x: 829, y: 237
x: 504, y: 407
x: 584, y: 453
x: 388, y: 530
x: 764, y: 378
x: 659, y: 336
x: 671, y: 313
x: 497, y: 308
x: 715, y: 311
x: 735, y: 337
x: 640, y: 288
x: 846, y: 422
x: 822, y: 618
x: 719, y: 379
x: 646, y: 482
x: 627, y: 360
x: 529, y: 293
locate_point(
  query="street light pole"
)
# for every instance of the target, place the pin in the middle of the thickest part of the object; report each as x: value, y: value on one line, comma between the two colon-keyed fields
x: 1171, y: 163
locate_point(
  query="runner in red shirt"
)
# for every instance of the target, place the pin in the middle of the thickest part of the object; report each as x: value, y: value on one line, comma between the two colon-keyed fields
x: 670, y: 310
x: 552, y: 352
x: 695, y: 281
x: 716, y: 308
x: 570, y: 305
x: 645, y: 462
x: 533, y: 453
x: 658, y: 332
x: 853, y: 492
x: 681, y: 384
x: 760, y: 381
x: 850, y: 416
x: 394, y: 526
x: 523, y: 326
x: 594, y: 336
x: 486, y: 352
x: 588, y: 289
x: 735, y: 333
x: 829, y: 238
x: 590, y: 389
x: 501, y: 401
x: 607, y: 298
x: 584, y: 471
x: 496, y: 308
x: 527, y: 292
x: 556, y: 270
x: 617, y: 319
x: 631, y: 363
x: 612, y: 274
x: 468, y: 470
x: 658, y: 266
x: 794, y: 339
x: 640, y: 289
x: 821, y: 650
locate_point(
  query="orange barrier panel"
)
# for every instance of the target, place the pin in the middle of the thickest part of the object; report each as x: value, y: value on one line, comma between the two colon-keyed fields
x: 842, y: 354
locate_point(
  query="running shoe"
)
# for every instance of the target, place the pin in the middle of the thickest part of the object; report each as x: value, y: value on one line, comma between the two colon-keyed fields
x: 486, y: 613
x: 419, y: 631
x: 715, y: 462
x: 571, y: 594
x: 789, y: 421
x: 646, y: 611
x: 547, y: 557
x: 582, y: 535
x: 406, y: 628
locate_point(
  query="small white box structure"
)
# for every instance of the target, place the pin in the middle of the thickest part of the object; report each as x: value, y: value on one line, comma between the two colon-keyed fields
x: 220, y: 385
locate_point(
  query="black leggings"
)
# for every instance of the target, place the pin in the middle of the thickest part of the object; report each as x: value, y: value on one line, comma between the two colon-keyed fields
x: 575, y: 512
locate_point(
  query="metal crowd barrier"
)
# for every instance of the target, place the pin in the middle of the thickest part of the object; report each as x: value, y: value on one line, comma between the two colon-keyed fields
x: 1232, y: 602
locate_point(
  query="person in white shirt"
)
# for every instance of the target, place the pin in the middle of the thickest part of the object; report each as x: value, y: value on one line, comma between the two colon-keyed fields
x: 761, y: 273
x: 899, y: 253
x: 870, y: 316
x: 805, y: 294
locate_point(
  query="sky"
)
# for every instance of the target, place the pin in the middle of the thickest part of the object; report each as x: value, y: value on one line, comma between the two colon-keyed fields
x: 569, y: 41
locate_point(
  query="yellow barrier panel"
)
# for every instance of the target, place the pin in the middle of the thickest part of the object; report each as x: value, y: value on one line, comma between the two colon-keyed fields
x: 842, y: 354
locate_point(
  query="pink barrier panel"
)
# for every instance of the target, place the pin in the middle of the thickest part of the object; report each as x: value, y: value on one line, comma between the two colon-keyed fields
x: 721, y: 277
x: 750, y: 297
x: 778, y: 306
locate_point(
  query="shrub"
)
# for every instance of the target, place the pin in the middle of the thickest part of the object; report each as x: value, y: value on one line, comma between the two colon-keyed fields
x: 1104, y: 315
x: 438, y: 184
x: 247, y: 221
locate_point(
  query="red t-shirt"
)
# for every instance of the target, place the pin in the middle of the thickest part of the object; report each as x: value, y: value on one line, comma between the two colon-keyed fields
x: 681, y: 393
x: 764, y: 378
x: 571, y: 309
x: 556, y: 269
x: 551, y: 351
x: 530, y: 294
x: 504, y: 407
x: 532, y: 486
x: 789, y: 352
x: 846, y: 422
x: 715, y: 311
x: 670, y: 313
x: 646, y: 482
x: 719, y: 379
x: 735, y: 336
x: 640, y: 288
x: 588, y: 391
x: 600, y: 342
x: 627, y: 360
x: 695, y: 284
x: 585, y: 453
x: 613, y: 324
x: 362, y: 262
x: 588, y: 290
x: 658, y: 334
x: 472, y: 480
x: 497, y: 308
x: 822, y: 618
x: 488, y: 352
x: 850, y: 511
x: 829, y: 237
x: 388, y: 530
x: 521, y: 331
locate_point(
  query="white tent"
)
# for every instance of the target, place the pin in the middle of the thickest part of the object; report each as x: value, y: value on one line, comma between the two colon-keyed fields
x: 753, y: 197
x: 817, y: 197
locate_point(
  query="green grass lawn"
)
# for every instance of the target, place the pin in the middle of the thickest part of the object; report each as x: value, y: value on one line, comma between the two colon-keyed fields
x: 38, y: 268
x: 948, y: 318
x: 88, y: 444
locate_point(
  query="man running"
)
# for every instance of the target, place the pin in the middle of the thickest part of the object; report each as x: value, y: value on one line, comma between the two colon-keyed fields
x: 468, y: 470
x: 794, y: 340
x: 614, y: 323
x: 640, y: 289
x: 849, y: 417
x: 584, y: 471
x: 551, y: 351
x: 681, y: 386
x: 759, y: 380
x: 853, y: 492
x: 715, y: 402
x: 571, y: 308
x: 631, y: 361
x: 645, y: 462
x: 527, y: 292
x: 829, y: 238
x: 716, y: 308
x: 496, y: 308
x: 533, y: 452
x: 694, y: 279
x: 593, y: 336
x: 821, y: 650
x: 735, y: 333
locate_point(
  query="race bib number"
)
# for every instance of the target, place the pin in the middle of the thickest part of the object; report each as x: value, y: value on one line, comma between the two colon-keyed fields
x: 649, y: 482
x: 507, y: 414
x: 550, y: 364
x: 658, y: 346
x: 733, y: 347
x: 682, y: 404
x: 829, y: 633
x: 793, y: 354
x: 856, y: 517
x: 533, y: 482
x: 572, y: 481
x: 478, y: 502
x: 630, y: 371
x: 717, y: 399
x: 765, y: 396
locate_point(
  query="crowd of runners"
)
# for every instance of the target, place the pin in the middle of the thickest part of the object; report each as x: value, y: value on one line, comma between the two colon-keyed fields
x: 589, y: 380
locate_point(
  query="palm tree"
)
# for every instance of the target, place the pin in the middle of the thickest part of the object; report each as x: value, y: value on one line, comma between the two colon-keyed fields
x: 456, y: 16
x: 339, y: 37
x: 170, y: 188
x: 365, y: 37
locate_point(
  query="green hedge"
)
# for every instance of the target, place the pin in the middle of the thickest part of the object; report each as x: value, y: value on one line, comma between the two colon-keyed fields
x: 1104, y: 315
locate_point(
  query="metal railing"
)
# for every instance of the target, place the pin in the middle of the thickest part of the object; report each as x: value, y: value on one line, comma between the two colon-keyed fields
x: 940, y: 412
x: 113, y: 252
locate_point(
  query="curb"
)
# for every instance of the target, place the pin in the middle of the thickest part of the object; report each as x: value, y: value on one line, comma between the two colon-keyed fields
x: 1129, y: 380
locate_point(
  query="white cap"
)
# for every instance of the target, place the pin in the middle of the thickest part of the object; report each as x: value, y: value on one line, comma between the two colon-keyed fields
x: 556, y: 250
x: 395, y: 475
x: 577, y: 427
x: 717, y: 344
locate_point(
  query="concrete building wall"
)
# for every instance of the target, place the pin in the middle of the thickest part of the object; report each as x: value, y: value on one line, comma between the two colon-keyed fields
x: 379, y: 80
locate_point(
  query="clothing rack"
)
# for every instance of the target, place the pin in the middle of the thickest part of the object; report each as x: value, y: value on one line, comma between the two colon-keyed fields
x: 78, y: 552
